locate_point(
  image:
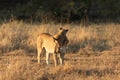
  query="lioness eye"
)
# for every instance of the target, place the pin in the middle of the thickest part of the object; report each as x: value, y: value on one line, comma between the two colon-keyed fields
x: 60, y: 28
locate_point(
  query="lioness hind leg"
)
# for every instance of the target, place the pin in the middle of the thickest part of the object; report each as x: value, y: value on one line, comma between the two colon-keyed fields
x: 47, y: 57
x: 55, y: 58
x: 39, y: 55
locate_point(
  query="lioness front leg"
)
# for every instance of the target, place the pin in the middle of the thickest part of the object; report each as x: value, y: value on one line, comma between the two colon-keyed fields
x: 61, y: 58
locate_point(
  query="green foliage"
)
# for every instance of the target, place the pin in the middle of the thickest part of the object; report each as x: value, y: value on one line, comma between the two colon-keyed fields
x: 61, y: 11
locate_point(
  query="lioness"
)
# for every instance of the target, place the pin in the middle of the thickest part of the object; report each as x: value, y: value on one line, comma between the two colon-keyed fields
x: 61, y: 37
x: 52, y: 44
x: 63, y: 41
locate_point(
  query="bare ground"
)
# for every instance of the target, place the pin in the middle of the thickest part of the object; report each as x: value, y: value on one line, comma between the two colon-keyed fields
x: 18, y: 65
x: 93, y: 52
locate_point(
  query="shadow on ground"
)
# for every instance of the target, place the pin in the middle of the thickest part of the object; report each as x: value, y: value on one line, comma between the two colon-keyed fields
x: 71, y: 74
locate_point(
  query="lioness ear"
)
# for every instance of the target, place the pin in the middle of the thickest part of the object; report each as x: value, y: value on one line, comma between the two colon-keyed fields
x: 60, y: 28
x: 66, y: 30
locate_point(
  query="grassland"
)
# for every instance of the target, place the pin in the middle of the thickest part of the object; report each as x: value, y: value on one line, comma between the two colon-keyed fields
x: 93, y: 52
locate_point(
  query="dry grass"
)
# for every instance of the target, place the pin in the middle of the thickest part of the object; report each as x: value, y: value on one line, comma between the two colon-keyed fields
x: 93, y: 54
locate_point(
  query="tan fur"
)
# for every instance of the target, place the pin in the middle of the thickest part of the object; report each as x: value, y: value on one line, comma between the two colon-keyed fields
x: 63, y: 41
x: 62, y: 38
x: 52, y: 44
x: 47, y: 42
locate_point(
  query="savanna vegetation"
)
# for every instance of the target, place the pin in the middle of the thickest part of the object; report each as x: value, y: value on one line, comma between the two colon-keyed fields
x: 93, y: 51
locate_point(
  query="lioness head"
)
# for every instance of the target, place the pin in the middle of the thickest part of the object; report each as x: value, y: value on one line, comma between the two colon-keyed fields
x: 63, y: 31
